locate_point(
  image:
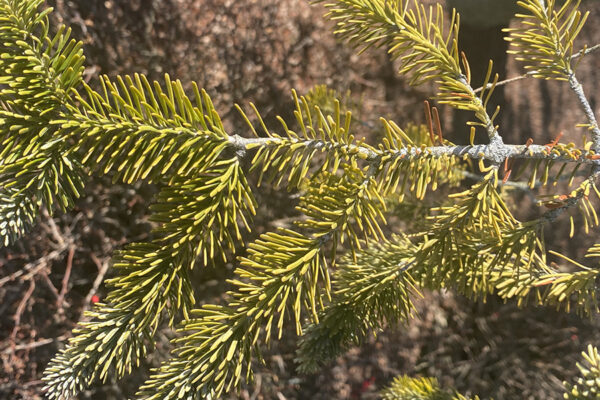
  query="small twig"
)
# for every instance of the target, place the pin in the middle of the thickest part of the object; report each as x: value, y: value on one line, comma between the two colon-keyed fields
x: 31, y: 269
x: 102, y: 269
x: 19, y: 313
x: 53, y: 228
x: 65, y: 281
x: 531, y: 73
x: 429, y: 121
x: 50, y: 285
x: 33, y: 345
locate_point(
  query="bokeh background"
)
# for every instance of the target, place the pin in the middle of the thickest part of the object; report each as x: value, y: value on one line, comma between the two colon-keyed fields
x: 257, y: 50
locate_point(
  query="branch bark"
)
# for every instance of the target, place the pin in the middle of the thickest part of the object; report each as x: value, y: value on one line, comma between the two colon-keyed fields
x: 494, y: 152
x: 587, y: 109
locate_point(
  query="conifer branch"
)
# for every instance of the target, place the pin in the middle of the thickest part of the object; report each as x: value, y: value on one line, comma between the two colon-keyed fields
x: 283, y: 270
x: 563, y: 153
x: 37, y: 73
x: 17, y: 213
x: 506, y: 258
x: 198, y: 217
x: 54, y: 128
x: 447, y: 257
x: 416, y: 37
x: 587, y: 385
x: 533, y: 281
x: 144, y: 131
x: 545, y: 42
x: 576, y: 290
x: 370, y: 290
x: 406, y: 388
x: 578, y: 197
x: 545, y: 45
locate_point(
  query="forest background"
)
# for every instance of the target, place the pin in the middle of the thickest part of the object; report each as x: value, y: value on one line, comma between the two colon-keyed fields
x: 257, y: 50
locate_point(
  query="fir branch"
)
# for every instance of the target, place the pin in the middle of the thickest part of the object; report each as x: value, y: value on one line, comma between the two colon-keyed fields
x: 49, y: 66
x: 144, y: 131
x: 291, y: 153
x: 543, y: 286
x: 199, y: 216
x: 402, y: 155
x: 494, y: 153
x: 17, y: 212
x: 370, y: 290
x: 418, y: 39
x: 398, y: 168
x: 138, y: 130
x: 545, y: 41
x: 516, y: 249
x: 587, y: 385
x: 452, y: 244
x: 545, y: 45
x: 549, y: 288
x: 578, y: 197
x: 282, y: 271
x: 406, y: 388
x: 36, y: 74
x: 165, y: 133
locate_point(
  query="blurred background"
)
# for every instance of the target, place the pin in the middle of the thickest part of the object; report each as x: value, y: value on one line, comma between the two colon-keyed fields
x: 257, y: 50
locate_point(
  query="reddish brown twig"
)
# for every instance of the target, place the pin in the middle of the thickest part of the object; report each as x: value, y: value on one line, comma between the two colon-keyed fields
x: 551, y: 145
x: 507, y: 169
x: 65, y: 281
x: 429, y: 120
x: 438, y: 125
x: 18, y: 314
x: 50, y: 285
x: 465, y: 63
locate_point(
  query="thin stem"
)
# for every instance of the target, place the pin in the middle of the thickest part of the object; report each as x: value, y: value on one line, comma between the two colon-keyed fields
x: 530, y: 74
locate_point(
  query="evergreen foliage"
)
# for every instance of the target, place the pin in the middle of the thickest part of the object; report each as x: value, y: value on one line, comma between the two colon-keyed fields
x: 406, y: 388
x: 545, y: 41
x: 587, y: 385
x: 37, y: 74
x: 55, y: 129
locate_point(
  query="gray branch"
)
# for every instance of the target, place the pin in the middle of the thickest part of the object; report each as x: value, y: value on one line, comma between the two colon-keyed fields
x: 587, y: 109
x: 494, y: 152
